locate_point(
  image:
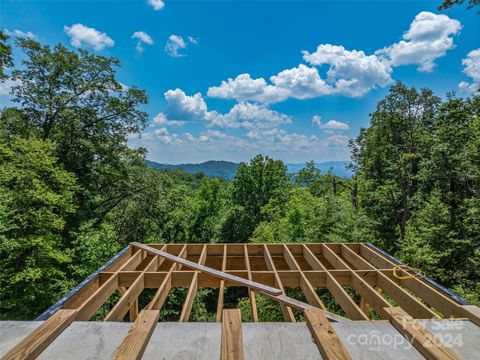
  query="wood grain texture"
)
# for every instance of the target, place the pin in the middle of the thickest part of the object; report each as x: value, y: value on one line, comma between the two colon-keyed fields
x: 232, y: 337
x: 325, y: 336
x: 134, y: 344
x: 221, y: 289
x: 427, y: 344
x: 472, y: 312
x: 209, y: 270
x: 37, y: 341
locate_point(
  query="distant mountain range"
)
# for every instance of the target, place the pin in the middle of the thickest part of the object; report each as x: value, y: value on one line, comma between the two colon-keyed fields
x: 227, y: 169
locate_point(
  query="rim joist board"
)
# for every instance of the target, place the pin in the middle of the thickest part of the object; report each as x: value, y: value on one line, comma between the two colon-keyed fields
x: 364, y: 283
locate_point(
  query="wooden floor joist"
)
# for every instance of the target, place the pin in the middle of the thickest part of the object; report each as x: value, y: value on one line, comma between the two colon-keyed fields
x: 31, y: 346
x: 286, y: 310
x: 325, y: 336
x: 361, y: 279
x: 209, y: 270
x: 134, y: 344
x: 232, y: 337
x: 427, y: 344
x: 221, y: 289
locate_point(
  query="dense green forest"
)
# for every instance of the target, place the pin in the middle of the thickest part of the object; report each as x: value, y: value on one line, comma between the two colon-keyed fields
x: 72, y: 193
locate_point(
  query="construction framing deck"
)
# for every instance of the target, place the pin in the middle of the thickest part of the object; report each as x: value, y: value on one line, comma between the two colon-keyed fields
x: 365, y: 283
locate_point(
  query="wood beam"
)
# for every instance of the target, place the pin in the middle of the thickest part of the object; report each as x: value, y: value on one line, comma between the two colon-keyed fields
x: 251, y: 294
x: 161, y: 294
x: 232, y: 337
x: 333, y: 258
x: 419, y: 287
x: 408, y: 302
x: 129, y: 299
x: 371, y: 296
x: 426, y: 343
x: 344, y: 300
x: 96, y: 300
x: 356, y: 260
x: 312, y: 260
x: 38, y: 340
x: 208, y: 270
x: 353, y: 311
x: 135, y: 343
x: 325, y: 337
x: 192, y: 289
x: 221, y: 289
x: 307, y: 288
x: 286, y: 310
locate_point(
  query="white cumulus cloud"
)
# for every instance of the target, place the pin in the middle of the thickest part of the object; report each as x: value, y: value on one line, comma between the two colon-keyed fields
x: 181, y: 107
x: 329, y: 125
x: 471, y: 68
x: 81, y: 35
x: 243, y: 87
x: 176, y: 43
x: 142, y: 38
x: 20, y: 33
x: 301, y: 82
x: 156, y: 4
x: 430, y: 37
x: 247, y: 115
x: 351, y: 72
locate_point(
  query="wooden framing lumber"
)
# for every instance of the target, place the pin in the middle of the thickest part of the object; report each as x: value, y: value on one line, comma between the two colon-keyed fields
x: 134, y: 344
x: 232, y: 337
x: 221, y: 289
x: 417, y: 286
x: 341, y: 297
x: 161, y: 294
x: 325, y: 336
x: 356, y: 260
x: 307, y: 289
x: 427, y: 344
x: 409, y: 303
x: 32, y: 345
x: 265, y: 269
x: 472, y: 312
x: 192, y: 289
x: 251, y: 293
x: 333, y: 258
x: 286, y: 310
x: 208, y: 270
x: 413, y: 306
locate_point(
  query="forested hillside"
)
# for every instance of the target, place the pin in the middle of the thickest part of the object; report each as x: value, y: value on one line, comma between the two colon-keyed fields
x: 227, y: 169
x: 72, y: 193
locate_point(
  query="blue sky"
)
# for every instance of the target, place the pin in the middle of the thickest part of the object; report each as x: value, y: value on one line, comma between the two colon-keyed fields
x: 303, y: 75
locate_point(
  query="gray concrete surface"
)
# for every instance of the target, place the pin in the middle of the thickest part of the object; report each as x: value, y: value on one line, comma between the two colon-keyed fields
x: 184, y: 341
x: 12, y: 332
x: 462, y: 336
x: 269, y: 341
x: 375, y: 340
x: 87, y: 341
x: 278, y: 341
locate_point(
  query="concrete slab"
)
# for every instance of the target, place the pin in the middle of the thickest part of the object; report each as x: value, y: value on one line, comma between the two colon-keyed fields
x: 87, y: 340
x: 12, y: 332
x: 377, y: 340
x: 278, y: 341
x: 269, y: 341
x: 184, y: 341
x: 462, y: 336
